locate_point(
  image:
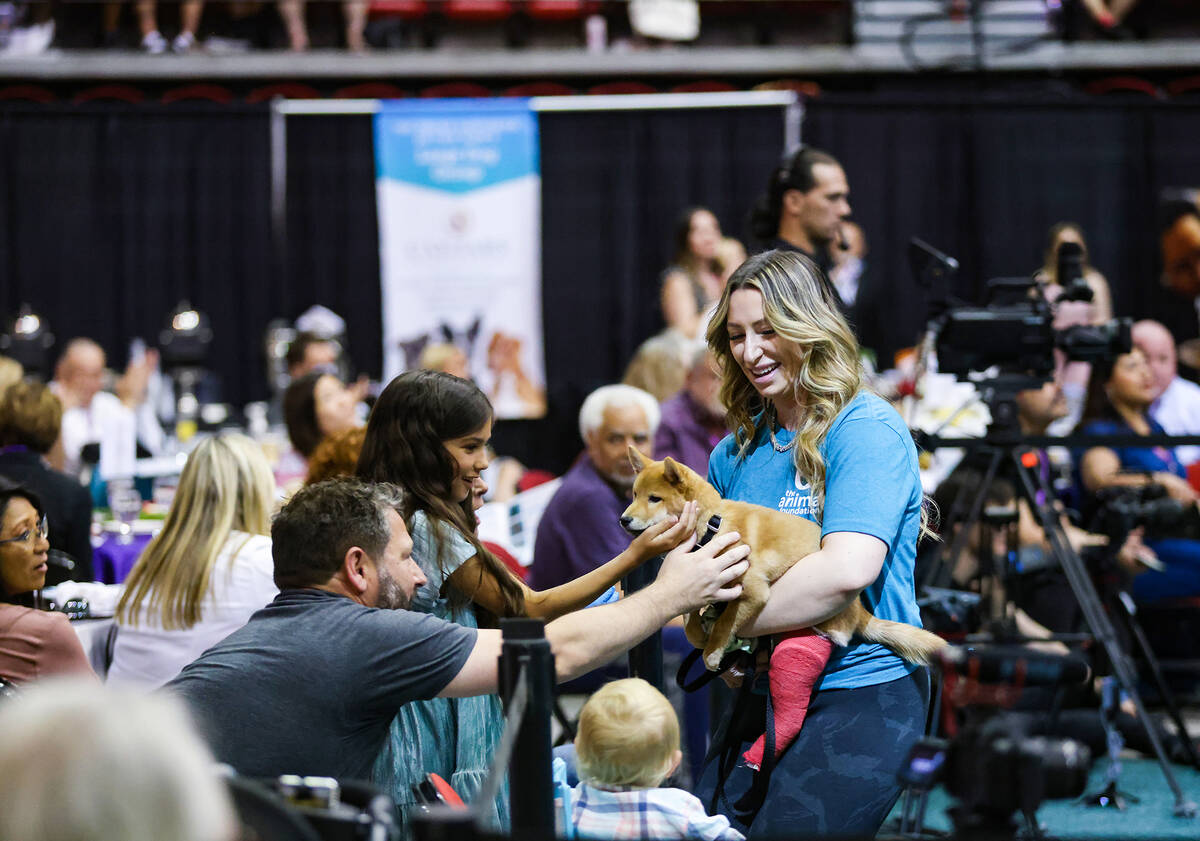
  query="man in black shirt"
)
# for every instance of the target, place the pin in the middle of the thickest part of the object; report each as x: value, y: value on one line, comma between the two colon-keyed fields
x: 804, y: 205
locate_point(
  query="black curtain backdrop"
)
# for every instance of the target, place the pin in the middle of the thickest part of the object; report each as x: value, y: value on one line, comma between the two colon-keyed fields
x: 110, y: 216
x: 330, y: 243
x: 613, y: 185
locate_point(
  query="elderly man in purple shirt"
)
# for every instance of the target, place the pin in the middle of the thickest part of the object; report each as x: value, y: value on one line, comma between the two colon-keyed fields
x: 580, y: 529
x: 693, y: 421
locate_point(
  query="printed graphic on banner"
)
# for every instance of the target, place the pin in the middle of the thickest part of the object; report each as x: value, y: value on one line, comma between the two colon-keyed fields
x: 459, y: 194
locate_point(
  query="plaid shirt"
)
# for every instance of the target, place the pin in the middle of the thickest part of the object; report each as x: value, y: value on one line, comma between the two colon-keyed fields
x: 645, y: 813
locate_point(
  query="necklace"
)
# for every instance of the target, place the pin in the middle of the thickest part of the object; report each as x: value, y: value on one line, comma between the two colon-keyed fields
x: 779, y: 448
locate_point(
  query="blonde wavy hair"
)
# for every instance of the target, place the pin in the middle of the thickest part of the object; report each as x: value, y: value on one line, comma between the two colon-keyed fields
x: 226, y: 485
x: 820, y: 355
x: 628, y: 735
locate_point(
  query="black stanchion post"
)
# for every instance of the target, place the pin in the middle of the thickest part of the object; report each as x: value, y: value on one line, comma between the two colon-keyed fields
x: 646, y: 658
x: 531, y: 784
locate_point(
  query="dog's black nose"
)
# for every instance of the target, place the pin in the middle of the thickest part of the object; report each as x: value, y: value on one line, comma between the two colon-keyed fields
x: 625, y: 521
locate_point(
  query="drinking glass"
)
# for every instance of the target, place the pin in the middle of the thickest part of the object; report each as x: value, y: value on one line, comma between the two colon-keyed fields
x: 126, y: 504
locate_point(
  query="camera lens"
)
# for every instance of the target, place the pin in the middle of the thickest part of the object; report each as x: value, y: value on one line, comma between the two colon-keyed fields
x: 1064, y: 765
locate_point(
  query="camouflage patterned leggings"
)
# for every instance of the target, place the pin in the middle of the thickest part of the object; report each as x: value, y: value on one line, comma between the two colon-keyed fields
x: 839, y: 776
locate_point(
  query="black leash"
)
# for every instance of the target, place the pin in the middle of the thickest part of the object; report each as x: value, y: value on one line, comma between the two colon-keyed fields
x: 749, y: 803
x: 744, y: 724
x: 706, y: 677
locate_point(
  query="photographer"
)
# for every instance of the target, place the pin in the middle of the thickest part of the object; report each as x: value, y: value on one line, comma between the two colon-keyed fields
x: 1119, y: 397
x: 1047, y: 276
x: 1042, y: 601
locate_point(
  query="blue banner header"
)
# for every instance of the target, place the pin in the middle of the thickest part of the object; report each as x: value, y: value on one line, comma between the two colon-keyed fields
x: 456, y: 145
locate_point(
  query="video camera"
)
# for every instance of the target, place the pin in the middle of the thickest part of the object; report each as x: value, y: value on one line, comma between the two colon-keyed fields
x: 1014, y: 330
x: 1119, y: 510
x: 995, y: 765
x: 950, y: 613
x: 311, y: 808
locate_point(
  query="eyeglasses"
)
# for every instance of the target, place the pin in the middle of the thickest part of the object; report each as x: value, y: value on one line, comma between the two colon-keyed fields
x: 42, y: 529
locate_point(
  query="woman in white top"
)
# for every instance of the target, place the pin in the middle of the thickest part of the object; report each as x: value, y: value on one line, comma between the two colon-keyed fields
x: 207, y: 570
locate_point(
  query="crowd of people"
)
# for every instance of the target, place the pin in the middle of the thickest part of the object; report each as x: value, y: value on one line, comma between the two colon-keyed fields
x: 347, y: 627
x: 176, y: 27
x: 160, y: 27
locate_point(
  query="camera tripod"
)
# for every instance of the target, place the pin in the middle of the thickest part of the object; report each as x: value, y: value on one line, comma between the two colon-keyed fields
x: 1007, y: 450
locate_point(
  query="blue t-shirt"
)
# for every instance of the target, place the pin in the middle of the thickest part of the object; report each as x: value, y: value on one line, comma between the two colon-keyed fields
x: 872, y: 486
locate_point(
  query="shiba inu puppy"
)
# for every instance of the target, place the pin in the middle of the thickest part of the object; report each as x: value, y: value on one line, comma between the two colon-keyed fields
x: 777, y: 540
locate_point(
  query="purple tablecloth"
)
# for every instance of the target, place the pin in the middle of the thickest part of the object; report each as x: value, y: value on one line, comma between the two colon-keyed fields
x: 113, y: 559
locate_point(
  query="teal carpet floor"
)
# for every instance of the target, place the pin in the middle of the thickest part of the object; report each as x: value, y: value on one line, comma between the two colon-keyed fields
x: 1151, y: 818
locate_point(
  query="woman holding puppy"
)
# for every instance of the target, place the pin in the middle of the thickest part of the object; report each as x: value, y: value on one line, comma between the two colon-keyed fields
x: 429, y: 432
x: 809, y: 440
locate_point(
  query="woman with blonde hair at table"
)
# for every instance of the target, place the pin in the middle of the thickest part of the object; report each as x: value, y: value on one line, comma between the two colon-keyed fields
x: 207, y: 570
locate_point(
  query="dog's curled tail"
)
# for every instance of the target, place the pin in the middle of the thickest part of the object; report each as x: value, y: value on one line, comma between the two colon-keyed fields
x: 913, y: 644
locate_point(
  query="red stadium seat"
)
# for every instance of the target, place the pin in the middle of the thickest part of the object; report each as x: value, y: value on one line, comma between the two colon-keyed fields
x: 199, y: 92
x: 1123, y: 84
x: 407, y: 9
x: 478, y: 11
x: 540, y: 89
x: 1183, y: 87
x: 286, y: 90
x: 371, y: 90
x: 559, y: 9
x: 393, y: 20
x: 607, y: 88
x: 110, y: 93
x: 455, y: 90
x: 26, y: 93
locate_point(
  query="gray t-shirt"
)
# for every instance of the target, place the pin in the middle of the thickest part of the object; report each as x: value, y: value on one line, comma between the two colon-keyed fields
x: 311, y: 682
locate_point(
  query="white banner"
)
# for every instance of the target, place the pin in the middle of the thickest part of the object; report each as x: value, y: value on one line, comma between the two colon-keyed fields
x: 459, y: 195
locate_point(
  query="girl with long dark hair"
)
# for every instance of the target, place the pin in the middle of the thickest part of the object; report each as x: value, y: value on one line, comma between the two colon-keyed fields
x: 428, y: 433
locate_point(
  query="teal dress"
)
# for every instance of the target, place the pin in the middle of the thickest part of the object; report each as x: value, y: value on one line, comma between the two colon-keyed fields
x: 452, y: 737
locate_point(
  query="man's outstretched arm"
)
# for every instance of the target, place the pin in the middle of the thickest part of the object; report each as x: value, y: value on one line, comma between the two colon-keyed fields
x: 588, y: 638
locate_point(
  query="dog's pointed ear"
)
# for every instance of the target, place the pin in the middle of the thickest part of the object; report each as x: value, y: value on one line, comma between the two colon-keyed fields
x: 636, y: 458
x: 672, y: 471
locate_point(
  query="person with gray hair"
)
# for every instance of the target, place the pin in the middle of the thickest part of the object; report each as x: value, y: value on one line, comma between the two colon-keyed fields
x: 81, y: 760
x: 580, y: 529
x: 312, y: 681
